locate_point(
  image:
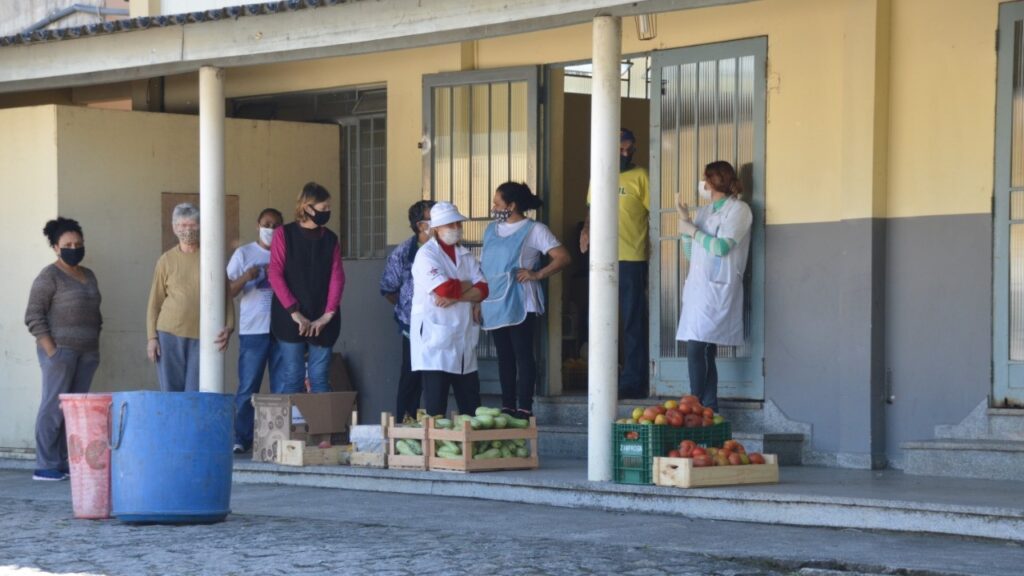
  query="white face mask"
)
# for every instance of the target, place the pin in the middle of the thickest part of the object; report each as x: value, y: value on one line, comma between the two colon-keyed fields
x: 266, y: 235
x: 450, y: 236
x: 703, y: 191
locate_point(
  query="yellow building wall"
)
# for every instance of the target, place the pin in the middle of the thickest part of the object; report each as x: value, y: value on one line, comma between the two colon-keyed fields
x: 108, y: 169
x: 865, y: 117
x: 942, y: 107
x: 28, y: 190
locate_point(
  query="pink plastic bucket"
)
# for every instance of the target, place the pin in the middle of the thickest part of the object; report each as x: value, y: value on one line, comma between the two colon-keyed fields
x: 87, y: 420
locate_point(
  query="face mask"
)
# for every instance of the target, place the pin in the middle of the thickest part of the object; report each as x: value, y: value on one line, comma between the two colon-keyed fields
x: 72, y: 256
x: 266, y: 235
x: 703, y: 191
x: 188, y: 237
x: 450, y: 236
x: 320, y: 218
x: 625, y: 162
x: 501, y: 215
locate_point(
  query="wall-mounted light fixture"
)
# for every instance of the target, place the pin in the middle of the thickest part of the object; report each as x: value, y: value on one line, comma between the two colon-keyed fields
x: 646, y: 26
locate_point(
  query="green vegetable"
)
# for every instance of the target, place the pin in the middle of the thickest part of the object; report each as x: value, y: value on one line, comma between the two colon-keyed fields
x: 475, y: 423
x: 522, y: 453
x: 488, y: 454
x: 505, y: 452
x: 445, y: 453
x: 518, y: 422
x: 497, y: 443
x: 443, y: 423
x: 485, y: 411
x: 500, y: 421
x: 407, y: 448
x: 486, y: 421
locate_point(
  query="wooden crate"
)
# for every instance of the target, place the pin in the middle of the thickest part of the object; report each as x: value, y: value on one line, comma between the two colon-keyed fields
x: 680, y: 472
x: 395, y: 431
x: 296, y: 453
x: 466, y: 463
x: 369, y: 459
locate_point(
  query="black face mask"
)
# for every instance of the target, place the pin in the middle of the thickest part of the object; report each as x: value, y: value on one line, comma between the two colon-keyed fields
x: 72, y: 256
x: 320, y: 218
x: 625, y: 162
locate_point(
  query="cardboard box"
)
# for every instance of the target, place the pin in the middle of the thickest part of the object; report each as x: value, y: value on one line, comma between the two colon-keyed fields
x: 308, y: 417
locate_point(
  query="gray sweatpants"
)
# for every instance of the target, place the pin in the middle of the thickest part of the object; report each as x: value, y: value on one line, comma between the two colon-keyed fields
x: 177, y: 369
x: 67, y: 372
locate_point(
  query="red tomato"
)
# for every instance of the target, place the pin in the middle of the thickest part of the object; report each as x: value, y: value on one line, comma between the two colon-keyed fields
x: 685, y: 409
x: 735, y: 460
x: 689, y: 399
x: 756, y: 458
x: 673, y: 454
x: 709, y: 413
x: 692, y: 421
x: 687, y: 448
x: 702, y: 461
x: 698, y: 451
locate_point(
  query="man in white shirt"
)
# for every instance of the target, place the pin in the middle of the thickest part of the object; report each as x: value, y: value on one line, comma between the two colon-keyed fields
x: 247, y: 272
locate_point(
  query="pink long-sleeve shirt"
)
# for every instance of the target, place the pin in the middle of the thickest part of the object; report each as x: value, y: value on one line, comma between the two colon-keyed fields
x: 275, y: 273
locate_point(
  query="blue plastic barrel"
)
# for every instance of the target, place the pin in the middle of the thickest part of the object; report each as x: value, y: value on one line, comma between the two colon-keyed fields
x: 171, y: 456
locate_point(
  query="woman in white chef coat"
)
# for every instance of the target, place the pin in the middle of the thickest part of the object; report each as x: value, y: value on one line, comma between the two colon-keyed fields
x: 717, y: 243
x: 444, y: 328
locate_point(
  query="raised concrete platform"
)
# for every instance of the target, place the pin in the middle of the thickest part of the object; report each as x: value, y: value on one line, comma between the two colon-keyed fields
x: 823, y: 497
x: 990, y: 459
x: 805, y: 496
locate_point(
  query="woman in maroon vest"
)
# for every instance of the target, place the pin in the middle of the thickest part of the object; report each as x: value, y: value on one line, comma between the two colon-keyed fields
x: 308, y: 280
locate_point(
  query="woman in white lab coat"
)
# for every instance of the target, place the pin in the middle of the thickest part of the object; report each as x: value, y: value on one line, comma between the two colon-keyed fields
x: 444, y: 328
x: 717, y: 242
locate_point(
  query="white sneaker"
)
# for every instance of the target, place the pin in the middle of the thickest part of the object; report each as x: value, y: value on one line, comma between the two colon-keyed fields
x: 238, y: 449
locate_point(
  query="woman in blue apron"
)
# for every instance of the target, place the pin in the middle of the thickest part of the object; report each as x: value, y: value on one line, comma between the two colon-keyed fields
x: 513, y: 246
x: 717, y: 243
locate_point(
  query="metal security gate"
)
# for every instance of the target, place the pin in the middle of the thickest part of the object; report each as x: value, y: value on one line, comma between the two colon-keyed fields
x: 708, y: 103
x: 1008, y: 273
x: 480, y: 130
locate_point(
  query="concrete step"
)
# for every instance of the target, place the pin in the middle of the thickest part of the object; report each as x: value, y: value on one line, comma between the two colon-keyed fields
x: 570, y: 442
x: 993, y: 459
x: 805, y: 497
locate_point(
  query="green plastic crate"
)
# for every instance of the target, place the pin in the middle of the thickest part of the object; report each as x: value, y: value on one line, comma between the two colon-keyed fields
x: 707, y: 437
x: 634, y: 447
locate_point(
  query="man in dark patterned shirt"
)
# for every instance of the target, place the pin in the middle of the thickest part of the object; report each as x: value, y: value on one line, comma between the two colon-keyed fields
x: 396, y: 286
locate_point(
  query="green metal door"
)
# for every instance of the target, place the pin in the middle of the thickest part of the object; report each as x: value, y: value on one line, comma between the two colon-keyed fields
x: 480, y: 130
x: 1008, y: 220
x: 708, y: 103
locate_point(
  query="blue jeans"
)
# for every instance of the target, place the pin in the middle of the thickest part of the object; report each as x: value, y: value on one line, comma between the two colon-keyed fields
x: 293, y: 365
x: 633, y: 317
x: 255, y: 351
x: 177, y: 369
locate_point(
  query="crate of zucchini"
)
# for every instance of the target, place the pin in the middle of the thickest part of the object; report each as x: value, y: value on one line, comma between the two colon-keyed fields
x: 489, y: 440
x: 405, y: 443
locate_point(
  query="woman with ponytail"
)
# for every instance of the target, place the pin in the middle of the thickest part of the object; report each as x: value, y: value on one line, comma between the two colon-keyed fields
x: 513, y: 246
x: 716, y: 243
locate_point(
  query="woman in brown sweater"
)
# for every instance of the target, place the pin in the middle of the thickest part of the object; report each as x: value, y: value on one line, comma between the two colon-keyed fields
x: 64, y: 315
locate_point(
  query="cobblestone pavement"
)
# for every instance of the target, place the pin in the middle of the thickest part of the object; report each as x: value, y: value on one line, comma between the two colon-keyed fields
x: 292, y: 530
x: 245, y: 544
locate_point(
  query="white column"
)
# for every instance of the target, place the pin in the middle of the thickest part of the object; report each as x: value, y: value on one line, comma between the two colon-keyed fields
x: 603, y: 347
x: 212, y: 235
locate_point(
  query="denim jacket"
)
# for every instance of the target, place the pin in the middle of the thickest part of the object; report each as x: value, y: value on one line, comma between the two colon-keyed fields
x: 397, y: 277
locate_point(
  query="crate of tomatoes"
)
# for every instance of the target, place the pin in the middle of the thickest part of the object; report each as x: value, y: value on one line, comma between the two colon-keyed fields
x: 653, y: 431
x: 691, y: 466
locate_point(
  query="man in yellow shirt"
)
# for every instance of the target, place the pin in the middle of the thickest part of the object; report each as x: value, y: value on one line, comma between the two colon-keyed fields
x: 634, y: 239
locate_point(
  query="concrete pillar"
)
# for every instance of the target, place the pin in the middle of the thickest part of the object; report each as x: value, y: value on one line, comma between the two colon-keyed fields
x: 603, y: 351
x: 212, y: 245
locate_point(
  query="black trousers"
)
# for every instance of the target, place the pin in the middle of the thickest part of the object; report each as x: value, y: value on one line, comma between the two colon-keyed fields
x: 635, y: 378
x: 700, y: 359
x: 517, y: 368
x: 410, y: 386
x: 435, y: 391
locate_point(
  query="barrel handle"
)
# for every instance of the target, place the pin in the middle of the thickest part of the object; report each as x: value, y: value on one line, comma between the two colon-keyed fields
x: 120, y: 426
